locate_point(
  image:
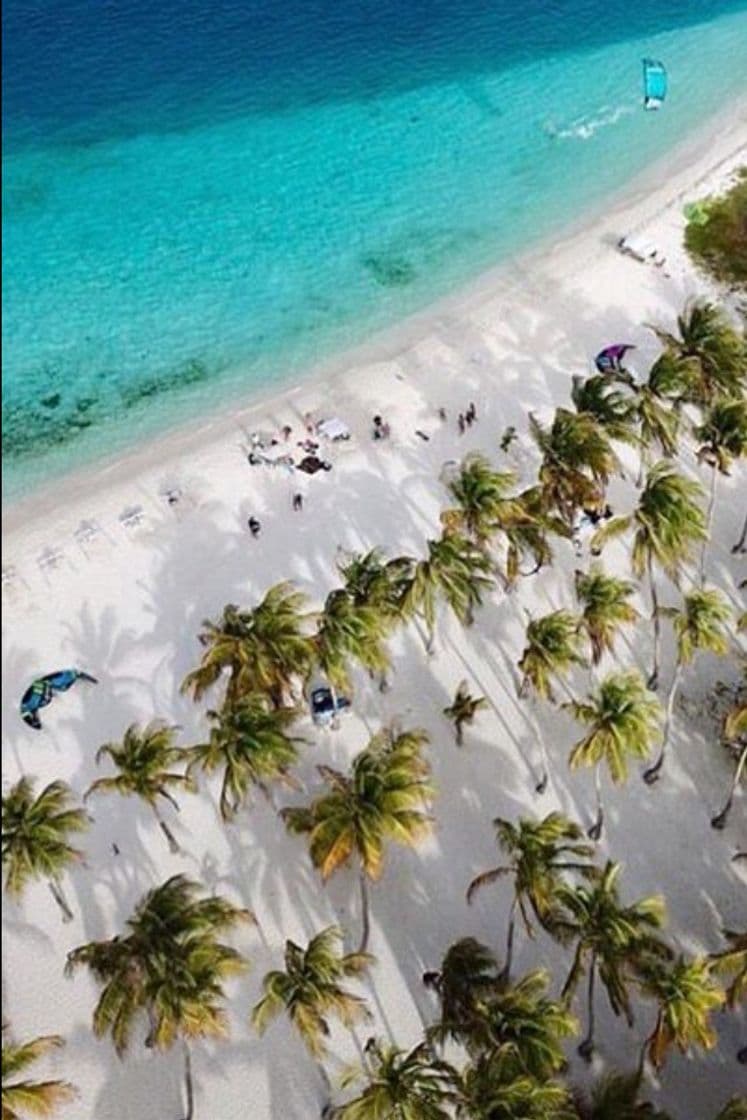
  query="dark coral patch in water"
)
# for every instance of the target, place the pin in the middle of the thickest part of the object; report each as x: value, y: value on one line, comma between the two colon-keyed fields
x: 390, y: 270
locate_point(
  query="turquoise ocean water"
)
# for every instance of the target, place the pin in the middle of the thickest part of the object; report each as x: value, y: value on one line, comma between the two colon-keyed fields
x: 199, y: 202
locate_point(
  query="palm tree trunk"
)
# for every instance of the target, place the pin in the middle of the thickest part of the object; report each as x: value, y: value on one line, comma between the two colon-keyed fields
x: 643, y: 467
x: 642, y: 1057
x: 586, y: 1047
x: 188, y: 1084
x: 719, y: 821
x: 365, y: 914
x: 709, y: 524
x: 651, y: 774
x: 510, y: 940
x: 653, y: 680
x: 596, y: 829
x: 740, y: 545
x: 173, y: 846
x: 327, y: 1109
x: 59, y: 897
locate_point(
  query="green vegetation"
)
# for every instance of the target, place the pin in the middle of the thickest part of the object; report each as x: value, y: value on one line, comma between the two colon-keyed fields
x: 716, y: 233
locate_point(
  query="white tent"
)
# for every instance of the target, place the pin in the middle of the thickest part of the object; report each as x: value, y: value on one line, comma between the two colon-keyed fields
x: 333, y: 429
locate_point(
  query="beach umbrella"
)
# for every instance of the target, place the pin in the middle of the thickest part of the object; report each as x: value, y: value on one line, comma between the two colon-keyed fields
x: 610, y: 359
x: 41, y: 691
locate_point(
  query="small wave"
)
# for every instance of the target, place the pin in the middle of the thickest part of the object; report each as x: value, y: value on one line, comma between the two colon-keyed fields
x: 583, y: 128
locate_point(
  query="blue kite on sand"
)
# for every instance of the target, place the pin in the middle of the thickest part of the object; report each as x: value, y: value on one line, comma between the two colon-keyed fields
x: 41, y: 691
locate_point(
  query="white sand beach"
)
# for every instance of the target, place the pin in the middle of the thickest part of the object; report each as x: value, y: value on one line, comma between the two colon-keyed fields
x: 112, y: 578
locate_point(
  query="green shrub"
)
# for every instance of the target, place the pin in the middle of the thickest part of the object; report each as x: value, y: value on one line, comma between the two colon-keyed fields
x: 716, y: 233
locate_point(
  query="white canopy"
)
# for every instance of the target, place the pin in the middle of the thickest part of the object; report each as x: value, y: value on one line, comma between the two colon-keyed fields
x: 334, y: 428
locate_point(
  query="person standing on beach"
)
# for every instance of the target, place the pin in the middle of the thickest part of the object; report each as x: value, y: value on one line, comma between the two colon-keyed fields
x: 461, y: 423
x: 471, y: 413
x: 254, y: 526
x: 298, y: 502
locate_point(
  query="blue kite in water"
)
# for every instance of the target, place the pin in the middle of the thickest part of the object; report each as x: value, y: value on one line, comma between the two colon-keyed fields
x: 654, y: 84
x: 42, y: 690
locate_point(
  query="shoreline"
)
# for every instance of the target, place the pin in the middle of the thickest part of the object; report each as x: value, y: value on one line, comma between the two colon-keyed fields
x: 660, y: 188
x: 126, y: 605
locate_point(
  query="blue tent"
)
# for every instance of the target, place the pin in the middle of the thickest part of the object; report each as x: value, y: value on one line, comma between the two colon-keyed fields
x: 654, y: 84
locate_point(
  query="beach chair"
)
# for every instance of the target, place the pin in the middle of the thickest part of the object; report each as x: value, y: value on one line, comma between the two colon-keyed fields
x: 88, y: 536
x: 50, y: 560
x: 15, y: 587
x: 132, y: 518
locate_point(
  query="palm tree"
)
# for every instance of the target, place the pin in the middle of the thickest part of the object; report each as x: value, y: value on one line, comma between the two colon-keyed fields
x: 527, y: 538
x: 142, y: 760
x: 605, y: 608
x: 668, y: 522
x: 613, y: 941
x: 734, y: 1109
x: 482, y: 1010
x: 400, y: 1085
x: 265, y: 649
x: 612, y: 409
x: 35, y: 838
x: 734, y: 737
x: 616, y: 1097
x: 348, y: 630
x: 686, y: 997
x: 552, y: 650
x: 310, y: 990
x: 723, y: 440
x: 577, y: 462
x: 463, y: 710
x: 373, y: 581
x: 698, y: 626
x: 732, y: 962
x: 251, y: 744
x: 383, y: 798
x: 169, y: 967
x: 521, y: 1018
x: 494, y: 1087
x: 455, y: 570
x: 711, y: 352
x: 484, y: 504
x: 658, y: 421
x: 623, y: 719
x: 539, y: 852
x: 30, y: 1098
x: 468, y: 976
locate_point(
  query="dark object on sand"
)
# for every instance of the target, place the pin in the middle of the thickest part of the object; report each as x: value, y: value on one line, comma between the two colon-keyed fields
x: 254, y: 526
x: 422, y: 435
x: 311, y: 464
x: 325, y: 704
x: 43, y: 689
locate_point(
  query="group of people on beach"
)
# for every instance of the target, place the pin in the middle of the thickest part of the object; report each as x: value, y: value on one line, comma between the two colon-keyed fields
x: 466, y: 419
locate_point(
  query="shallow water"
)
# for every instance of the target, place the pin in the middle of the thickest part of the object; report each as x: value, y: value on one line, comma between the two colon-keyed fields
x: 200, y: 202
